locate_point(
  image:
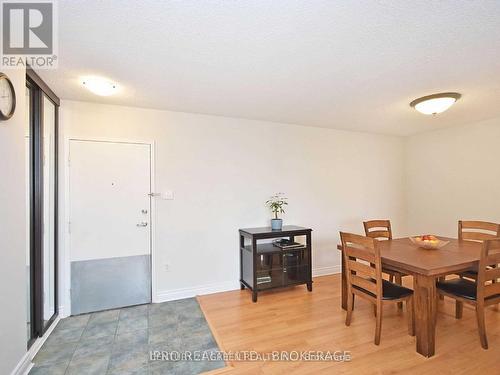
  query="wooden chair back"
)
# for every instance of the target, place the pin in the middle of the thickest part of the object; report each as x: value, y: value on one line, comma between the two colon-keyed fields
x: 489, y: 271
x: 477, y: 230
x: 378, y: 229
x: 363, y: 264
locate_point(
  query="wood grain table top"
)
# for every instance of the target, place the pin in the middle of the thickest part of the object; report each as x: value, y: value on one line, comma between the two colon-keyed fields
x: 455, y: 256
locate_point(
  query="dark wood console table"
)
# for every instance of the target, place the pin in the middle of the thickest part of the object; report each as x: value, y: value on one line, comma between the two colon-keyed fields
x: 264, y: 266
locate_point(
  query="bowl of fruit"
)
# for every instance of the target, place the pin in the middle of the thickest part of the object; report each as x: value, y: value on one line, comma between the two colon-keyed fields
x: 428, y: 241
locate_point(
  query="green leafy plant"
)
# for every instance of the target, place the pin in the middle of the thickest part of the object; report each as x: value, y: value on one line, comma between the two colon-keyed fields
x: 276, y: 203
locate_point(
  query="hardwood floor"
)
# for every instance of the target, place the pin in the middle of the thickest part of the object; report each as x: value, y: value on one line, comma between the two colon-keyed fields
x: 294, y: 319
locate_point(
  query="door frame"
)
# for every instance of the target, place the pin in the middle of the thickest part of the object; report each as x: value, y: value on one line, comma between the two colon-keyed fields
x: 65, y: 310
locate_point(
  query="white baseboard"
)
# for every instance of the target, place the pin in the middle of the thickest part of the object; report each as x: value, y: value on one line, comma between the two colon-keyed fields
x: 175, y: 294
x: 226, y: 286
x: 25, y: 364
x: 323, y: 271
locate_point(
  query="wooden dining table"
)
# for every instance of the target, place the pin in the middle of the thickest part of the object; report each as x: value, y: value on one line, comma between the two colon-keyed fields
x: 425, y: 266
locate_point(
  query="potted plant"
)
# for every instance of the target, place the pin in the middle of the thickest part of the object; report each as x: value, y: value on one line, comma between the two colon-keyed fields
x: 276, y: 203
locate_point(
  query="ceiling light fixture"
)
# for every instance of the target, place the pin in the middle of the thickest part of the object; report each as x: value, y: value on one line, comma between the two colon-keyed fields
x: 100, y: 86
x: 435, y: 103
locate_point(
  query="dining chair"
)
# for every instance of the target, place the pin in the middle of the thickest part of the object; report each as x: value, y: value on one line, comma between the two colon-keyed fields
x: 477, y: 231
x: 484, y: 292
x: 381, y: 230
x: 364, y: 279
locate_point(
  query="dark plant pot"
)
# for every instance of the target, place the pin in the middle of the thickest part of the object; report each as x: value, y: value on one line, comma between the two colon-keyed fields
x: 276, y: 224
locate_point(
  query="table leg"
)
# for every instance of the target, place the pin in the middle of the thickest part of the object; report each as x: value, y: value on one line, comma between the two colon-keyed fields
x: 344, y: 284
x: 425, y: 314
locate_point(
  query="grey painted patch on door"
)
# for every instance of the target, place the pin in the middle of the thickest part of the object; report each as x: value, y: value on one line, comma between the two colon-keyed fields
x: 101, y: 284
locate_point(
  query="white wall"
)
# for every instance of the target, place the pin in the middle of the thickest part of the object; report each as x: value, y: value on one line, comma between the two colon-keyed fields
x: 222, y: 170
x: 453, y: 174
x: 13, y: 231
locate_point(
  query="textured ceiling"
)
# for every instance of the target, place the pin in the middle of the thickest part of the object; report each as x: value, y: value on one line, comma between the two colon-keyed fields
x: 351, y: 65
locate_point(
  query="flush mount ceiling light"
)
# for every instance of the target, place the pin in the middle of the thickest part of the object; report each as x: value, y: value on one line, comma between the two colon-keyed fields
x: 99, y: 86
x: 436, y: 103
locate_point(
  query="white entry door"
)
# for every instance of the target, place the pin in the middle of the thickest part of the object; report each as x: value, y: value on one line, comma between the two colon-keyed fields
x: 110, y: 224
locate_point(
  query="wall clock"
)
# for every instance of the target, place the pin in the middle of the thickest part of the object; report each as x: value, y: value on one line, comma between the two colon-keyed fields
x: 7, y: 98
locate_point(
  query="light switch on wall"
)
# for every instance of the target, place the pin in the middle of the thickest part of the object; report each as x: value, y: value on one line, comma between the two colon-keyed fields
x: 167, y: 195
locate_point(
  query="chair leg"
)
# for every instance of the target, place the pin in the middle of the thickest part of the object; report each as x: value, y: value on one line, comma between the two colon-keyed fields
x: 441, y: 279
x: 399, y: 281
x: 375, y: 310
x: 459, y: 308
x: 350, y: 298
x: 411, y: 316
x: 378, y: 327
x: 481, y: 327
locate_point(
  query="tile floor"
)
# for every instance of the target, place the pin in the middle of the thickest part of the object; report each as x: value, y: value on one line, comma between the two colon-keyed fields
x: 119, y: 341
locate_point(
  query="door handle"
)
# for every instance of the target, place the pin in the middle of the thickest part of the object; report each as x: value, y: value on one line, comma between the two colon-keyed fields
x: 142, y: 224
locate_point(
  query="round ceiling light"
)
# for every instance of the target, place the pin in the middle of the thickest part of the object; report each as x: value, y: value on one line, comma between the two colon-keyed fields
x: 100, y: 86
x: 436, y: 103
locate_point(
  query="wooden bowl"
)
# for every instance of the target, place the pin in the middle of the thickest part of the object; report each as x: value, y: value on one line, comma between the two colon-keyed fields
x: 430, y: 245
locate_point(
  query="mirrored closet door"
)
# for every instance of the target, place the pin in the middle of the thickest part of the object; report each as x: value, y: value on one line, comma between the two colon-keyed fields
x: 42, y: 139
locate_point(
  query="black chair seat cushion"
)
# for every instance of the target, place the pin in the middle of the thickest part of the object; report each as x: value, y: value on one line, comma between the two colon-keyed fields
x: 459, y: 287
x: 389, y: 291
x: 472, y: 273
x: 462, y: 288
x: 469, y: 273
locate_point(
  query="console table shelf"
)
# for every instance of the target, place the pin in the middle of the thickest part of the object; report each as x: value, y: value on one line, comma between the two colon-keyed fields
x: 269, y: 248
x: 264, y: 266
